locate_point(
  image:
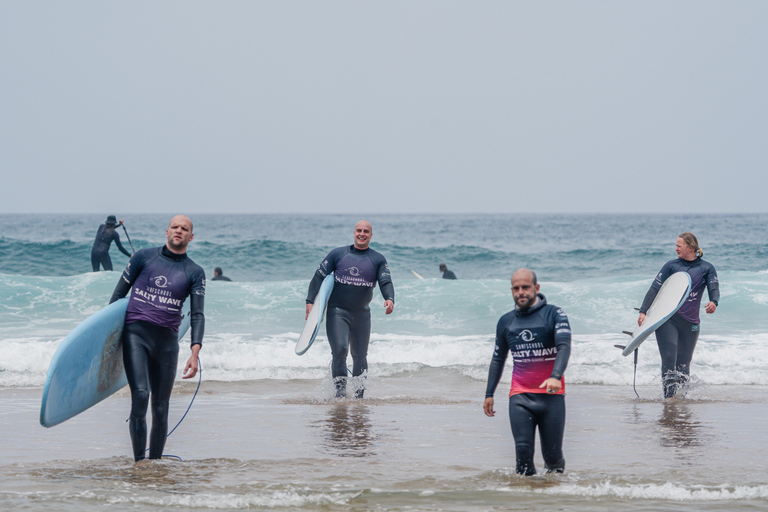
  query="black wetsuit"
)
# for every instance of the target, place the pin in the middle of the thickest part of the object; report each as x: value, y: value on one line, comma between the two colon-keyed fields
x: 160, y: 281
x: 100, y: 251
x: 677, y: 336
x: 448, y: 274
x: 220, y: 278
x: 348, y: 317
x: 540, y: 341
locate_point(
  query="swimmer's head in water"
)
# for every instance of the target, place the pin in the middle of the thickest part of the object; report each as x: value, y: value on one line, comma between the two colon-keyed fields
x: 688, y: 239
x: 111, y: 220
x: 217, y: 271
x: 179, y: 234
x: 525, y: 288
x: 363, y: 234
x: 443, y: 268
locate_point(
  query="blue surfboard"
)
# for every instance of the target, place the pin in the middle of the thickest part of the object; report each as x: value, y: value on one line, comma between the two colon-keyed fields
x: 88, y: 365
x: 315, y: 318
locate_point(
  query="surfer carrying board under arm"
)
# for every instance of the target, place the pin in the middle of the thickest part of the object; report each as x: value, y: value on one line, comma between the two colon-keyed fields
x: 356, y: 269
x: 539, y: 336
x: 160, y: 280
x: 677, y: 336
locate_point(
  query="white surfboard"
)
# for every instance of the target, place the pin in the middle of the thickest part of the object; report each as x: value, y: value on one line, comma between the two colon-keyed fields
x: 671, y: 296
x: 417, y: 275
x: 315, y: 318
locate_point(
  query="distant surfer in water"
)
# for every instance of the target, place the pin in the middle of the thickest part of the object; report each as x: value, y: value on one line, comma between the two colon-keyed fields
x: 447, y: 274
x: 539, y: 336
x: 677, y: 336
x: 218, y: 275
x: 356, y: 270
x: 160, y: 279
x: 104, y: 237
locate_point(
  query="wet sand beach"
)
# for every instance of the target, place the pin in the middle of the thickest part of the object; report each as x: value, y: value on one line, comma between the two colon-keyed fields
x: 417, y: 442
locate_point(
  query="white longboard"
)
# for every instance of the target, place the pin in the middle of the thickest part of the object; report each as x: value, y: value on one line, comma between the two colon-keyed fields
x: 416, y: 274
x: 671, y: 297
x: 315, y: 317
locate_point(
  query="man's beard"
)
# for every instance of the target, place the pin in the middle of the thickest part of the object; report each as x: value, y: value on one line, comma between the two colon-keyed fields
x: 527, y: 305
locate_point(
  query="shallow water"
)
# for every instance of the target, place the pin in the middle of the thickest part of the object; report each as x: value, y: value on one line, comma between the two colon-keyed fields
x: 271, y: 446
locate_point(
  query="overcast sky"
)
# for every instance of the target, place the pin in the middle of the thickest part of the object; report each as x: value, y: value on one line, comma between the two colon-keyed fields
x: 376, y: 107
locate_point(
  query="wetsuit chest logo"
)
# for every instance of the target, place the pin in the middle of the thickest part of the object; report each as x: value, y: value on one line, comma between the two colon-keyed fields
x: 161, y: 282
x: 527, y: 335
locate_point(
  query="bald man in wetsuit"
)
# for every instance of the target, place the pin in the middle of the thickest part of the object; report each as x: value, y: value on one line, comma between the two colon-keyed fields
x: 539, y: 336
x: 356, y: 269
x: 160, y: 280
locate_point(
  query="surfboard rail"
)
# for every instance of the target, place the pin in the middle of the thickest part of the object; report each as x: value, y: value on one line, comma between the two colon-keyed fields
x: 671, y: 296
x: 87, y: 366
x: 316, y: 316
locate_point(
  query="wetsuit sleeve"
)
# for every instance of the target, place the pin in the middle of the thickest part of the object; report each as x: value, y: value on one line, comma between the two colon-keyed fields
x: 116, y: 238
x: 196, y: 306
x: 562, y: 343
x: 385, y: 281
x: 648, y: 300
x: 129, y: 275
x: 326, y: 267
x: 197, y: 318
x: 662, y: 276
x: 713, y: 285
x: 499, y: 358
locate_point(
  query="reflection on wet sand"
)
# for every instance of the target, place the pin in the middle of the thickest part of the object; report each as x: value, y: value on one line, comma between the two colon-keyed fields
x: 680, y: 427
x: 346, y: 431
x: 164, y: 475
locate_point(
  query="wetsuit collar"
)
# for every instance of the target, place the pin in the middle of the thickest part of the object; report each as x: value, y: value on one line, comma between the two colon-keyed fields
x: 692, y: 262
x: 172, y: 255
x: 542, y: 302
x: 354, y: 249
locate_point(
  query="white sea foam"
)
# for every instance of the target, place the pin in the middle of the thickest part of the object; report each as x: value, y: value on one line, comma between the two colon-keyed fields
x: 594, y: 360
x: 288, y: 498
x: 667, y: 491
x: 251, y: 329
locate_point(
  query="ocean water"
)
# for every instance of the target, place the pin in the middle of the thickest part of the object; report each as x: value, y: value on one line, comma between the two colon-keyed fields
x: 431, y: 354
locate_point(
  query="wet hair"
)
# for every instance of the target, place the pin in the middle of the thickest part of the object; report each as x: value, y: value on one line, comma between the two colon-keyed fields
x: 443, y: 267
x: 217, y: 271
x: 692, y: 242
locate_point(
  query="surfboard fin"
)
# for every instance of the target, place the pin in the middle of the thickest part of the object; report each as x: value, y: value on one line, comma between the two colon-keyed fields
x: 629, y: 333
x: 621, y: 347
x: 637, y: 309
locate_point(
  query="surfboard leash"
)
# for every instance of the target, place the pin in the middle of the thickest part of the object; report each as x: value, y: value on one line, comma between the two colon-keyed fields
x: 634, y: 373
x: 199, y: 381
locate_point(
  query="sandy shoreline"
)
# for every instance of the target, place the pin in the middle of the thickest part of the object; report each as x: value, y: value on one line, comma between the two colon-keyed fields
x: 283, y: 433
x: 272, y: 419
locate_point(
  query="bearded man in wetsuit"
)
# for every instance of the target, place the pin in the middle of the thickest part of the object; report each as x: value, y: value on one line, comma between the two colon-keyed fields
x: 356, y: 269
x: 104, y: 237
x: 160, y: 279
x: 539, y: 336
